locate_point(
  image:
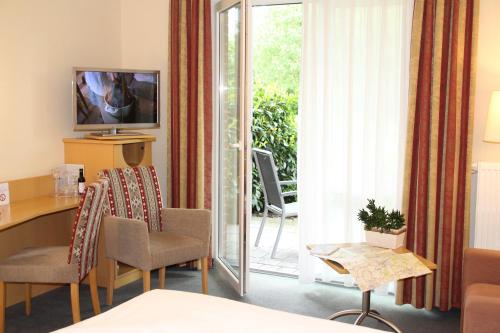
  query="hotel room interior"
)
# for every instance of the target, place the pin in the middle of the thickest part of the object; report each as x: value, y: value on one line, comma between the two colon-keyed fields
x: 358, y: 193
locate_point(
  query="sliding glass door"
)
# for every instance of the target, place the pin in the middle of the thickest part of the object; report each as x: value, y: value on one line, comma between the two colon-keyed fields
x: 231, y: 143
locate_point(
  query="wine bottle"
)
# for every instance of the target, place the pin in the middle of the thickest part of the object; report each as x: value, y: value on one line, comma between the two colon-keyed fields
x: 81, y: 183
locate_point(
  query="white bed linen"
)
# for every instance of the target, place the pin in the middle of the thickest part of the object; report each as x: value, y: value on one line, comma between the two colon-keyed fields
x: 183, y: 312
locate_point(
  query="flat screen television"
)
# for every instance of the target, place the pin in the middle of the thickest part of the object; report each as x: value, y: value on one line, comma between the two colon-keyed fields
x: 113, y: 99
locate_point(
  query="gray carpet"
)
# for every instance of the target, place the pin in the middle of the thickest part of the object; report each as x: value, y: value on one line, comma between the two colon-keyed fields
x: 52, y: 310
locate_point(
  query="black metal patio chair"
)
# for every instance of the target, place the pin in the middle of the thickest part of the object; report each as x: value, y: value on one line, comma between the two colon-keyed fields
x: 274, y: 198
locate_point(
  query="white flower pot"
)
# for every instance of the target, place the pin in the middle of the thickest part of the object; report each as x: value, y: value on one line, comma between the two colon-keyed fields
x: 388, y: 241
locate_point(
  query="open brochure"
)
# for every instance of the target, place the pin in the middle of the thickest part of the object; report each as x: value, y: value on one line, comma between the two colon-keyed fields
x: 373, y: 267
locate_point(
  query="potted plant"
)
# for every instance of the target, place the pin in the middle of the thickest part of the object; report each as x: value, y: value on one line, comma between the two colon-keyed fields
x: 383, y: 228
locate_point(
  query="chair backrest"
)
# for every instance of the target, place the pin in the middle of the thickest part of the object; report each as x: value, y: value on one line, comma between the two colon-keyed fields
x: 86, y: 226
x: 134, y: 193
x: 268, y: 177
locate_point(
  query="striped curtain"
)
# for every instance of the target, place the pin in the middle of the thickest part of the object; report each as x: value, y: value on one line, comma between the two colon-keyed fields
x: 438, y: 153
x: 189, y: 133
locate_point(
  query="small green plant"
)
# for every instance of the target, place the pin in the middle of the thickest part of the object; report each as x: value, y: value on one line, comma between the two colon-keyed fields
x: 379, y: 219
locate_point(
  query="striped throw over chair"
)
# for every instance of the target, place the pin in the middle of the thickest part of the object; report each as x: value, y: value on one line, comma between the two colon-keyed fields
x: 141, y: 233
x: 53, y: 264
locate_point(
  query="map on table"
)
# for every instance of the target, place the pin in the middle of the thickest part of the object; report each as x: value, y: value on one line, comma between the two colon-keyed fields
x: 372, y: 267
x: 324, y: 249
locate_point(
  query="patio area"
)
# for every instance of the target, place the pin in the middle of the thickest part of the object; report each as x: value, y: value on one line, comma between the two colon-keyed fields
x: 286, y: 261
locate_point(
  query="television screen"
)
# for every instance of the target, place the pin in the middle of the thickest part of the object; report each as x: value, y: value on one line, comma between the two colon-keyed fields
x: 115, y: 98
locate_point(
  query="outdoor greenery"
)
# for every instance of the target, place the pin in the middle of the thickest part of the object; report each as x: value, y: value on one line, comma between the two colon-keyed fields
x: 276, y: 47
x: 379, y: 219
x: 274, y: 129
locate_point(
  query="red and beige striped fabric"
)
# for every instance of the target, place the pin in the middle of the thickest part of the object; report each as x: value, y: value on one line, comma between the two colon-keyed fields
x: 134, y: 193
x: 189, y: 120
x: 83, y: 246
x: 437, y: 175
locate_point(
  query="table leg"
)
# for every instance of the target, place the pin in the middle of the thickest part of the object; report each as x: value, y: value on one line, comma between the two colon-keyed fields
x: 344, y: 313
x: 385, y: 321
x: 360, y: 319
x: 365, y: 312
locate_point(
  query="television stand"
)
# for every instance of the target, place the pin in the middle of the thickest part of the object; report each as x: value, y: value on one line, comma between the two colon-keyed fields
x: 117, y: 135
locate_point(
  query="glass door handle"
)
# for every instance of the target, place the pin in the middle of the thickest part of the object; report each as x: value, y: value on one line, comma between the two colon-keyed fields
x: 235, y: 145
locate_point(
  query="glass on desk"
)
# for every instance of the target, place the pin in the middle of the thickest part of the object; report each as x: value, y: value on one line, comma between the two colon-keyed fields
x: 4, y: 214
x: 66, y: 183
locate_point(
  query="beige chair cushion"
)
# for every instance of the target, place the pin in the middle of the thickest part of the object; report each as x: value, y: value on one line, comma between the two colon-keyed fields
x: 168, y: 248
x: 47, y: 264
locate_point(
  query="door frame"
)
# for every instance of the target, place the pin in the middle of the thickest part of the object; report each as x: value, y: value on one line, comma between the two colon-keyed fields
x: 246, y: 114
x: 274, y: 2
x: 245, y: 182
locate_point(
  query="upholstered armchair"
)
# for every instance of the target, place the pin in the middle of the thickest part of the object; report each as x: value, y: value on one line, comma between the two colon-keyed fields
x: 55, y: 264
x: 141, y: 233
x: 481, y: 291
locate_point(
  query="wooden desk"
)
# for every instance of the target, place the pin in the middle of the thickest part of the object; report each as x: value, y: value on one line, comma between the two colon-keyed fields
x: 30, y: 209
x: 34, y: 218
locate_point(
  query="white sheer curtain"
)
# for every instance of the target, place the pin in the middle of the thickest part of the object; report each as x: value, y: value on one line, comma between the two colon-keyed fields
x: 352, y: 118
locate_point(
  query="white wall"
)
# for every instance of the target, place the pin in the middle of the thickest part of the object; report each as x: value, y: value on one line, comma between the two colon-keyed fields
x: 40, y: 41
x: 488, y: 78
x: 144, y: 34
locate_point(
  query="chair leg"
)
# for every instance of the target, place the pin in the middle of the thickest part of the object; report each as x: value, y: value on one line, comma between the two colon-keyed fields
x: 146, y: 280
x: 94, y: 295
x: 75, y: 302
x: 197, y: 263
x: 2, y: 306
x: 161, y: 278
x: 278, y: 236
x: 27, y: 299
x: 204, y: 275
x: 111, y: 281
x: 264, y: 216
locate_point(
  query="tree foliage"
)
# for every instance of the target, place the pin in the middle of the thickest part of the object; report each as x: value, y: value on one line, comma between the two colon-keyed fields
x: 277, y: 45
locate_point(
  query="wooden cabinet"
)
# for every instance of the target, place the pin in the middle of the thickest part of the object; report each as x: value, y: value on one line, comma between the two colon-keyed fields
x: 108, y: 153
x: 96, y: 155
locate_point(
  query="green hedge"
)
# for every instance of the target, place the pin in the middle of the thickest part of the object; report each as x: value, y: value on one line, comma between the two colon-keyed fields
x: 274, y: 129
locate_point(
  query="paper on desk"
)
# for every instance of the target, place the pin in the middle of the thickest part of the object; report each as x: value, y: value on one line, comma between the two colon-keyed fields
x: 323, y: 249
x: 372, y: 267
x: 378, y: 271
x: 4, y: 194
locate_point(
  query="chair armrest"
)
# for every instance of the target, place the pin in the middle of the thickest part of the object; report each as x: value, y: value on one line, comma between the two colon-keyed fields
x: 288, y: 182
x: 127, y: 240
x: 480, y: 313
x: 481, y: 266
x: 289, y: 194
x: 196, y: 223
